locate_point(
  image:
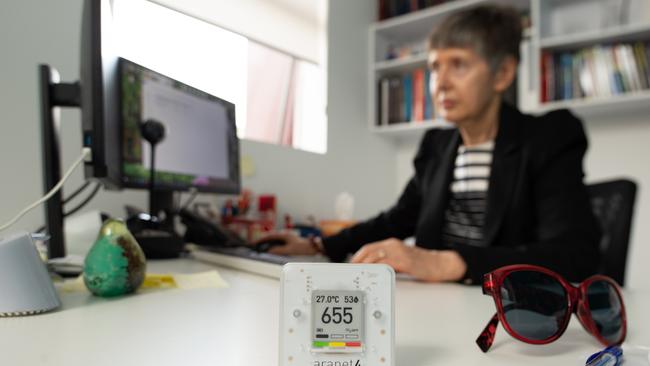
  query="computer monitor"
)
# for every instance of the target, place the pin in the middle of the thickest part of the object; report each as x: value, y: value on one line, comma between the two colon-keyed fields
x: 200, y: 149
x: 98, y: 63
x: 97, y: 93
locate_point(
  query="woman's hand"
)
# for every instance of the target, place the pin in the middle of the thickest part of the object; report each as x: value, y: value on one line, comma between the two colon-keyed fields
x: 293, y: 244
x: 423, y: 264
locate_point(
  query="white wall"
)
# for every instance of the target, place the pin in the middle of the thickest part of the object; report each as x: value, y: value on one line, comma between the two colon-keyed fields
x: 260, y: 20
x: 33, y: 31
x: 356, y: 161
x: 619, y: 147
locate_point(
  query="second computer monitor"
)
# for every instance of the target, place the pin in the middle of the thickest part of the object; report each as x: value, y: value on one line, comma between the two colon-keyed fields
x: 200, y: 148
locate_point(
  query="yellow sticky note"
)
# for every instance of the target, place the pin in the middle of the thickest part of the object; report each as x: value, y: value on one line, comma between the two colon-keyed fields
x: 153, y: 280
x: 247, y: 166
x: 158, y: 281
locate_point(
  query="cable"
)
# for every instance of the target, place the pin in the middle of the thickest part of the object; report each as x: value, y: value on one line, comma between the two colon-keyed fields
x: 193, y: 193
x: 85, y: 201
x: 76, y: 192
x: 86, y: 152
x: 78, y: 207
x: 70, y: 198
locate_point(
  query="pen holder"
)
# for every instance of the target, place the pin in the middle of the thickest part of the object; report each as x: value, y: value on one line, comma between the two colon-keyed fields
x: 115, y: 265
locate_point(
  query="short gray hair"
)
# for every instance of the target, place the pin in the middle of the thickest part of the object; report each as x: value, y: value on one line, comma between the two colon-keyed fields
x: 493, y: 31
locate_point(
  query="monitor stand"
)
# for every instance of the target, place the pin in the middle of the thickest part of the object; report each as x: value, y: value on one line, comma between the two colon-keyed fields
x: 54, y: 95
x: 155, y: 231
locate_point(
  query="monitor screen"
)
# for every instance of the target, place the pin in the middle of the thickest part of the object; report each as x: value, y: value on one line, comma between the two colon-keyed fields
x: 200, y: 148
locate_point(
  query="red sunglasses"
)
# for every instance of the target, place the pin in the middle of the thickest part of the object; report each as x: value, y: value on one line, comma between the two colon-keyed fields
x: 534, y: 304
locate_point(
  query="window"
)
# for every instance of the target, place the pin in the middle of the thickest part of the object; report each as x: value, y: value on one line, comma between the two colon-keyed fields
x: 279, y: 98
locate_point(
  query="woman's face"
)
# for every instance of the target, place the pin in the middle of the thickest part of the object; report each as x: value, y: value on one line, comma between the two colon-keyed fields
x: 461, y: 85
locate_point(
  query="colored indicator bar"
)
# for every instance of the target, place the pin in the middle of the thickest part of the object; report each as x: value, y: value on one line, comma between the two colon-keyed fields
x: 320, y: 344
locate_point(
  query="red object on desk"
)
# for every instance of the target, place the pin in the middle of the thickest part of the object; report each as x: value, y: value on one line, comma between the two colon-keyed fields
x: 266, y: 203
x: 252, y: 226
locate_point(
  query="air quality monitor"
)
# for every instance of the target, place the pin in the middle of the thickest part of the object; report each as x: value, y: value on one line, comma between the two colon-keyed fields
x: 337, y: 314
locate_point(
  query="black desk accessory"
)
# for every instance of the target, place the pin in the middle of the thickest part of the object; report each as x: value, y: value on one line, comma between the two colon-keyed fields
x: 157, y: 237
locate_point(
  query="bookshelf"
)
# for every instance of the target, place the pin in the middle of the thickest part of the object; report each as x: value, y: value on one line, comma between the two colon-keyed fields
x: 587, y: 107
x: 615, y: 34
x: 545, y: 36
x: 400, y: 64
x: 400, y: 130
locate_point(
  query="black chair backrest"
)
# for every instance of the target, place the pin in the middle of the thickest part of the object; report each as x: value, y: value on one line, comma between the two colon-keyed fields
x: 613, y: 205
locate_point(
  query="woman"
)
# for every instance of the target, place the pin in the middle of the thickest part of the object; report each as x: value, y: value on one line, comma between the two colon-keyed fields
x: 502, y: 188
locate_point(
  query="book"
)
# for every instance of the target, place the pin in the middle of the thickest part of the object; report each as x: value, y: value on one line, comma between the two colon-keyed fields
x: 382, y: 8
x: 407, y: 101
x: 632, y: 65
x: 549, y: 77
x: 576, y: 65
x: 601, y: 72
x: 619, y: 74
x: 646, y: 49
x: 418, y: 95
x: 642, y: 63
x: 558, y: 76
x: 567, y: 76
x: 586, y: 74
x: 384, y: 102
x: 428, y: 102
x: 394, y: 99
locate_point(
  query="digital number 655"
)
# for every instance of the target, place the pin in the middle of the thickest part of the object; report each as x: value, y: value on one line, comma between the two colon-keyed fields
x: 337, y: 315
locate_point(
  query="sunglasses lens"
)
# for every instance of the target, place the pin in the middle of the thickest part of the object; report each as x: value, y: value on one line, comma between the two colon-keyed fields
x: 534, y: 304
x: 606, y: 308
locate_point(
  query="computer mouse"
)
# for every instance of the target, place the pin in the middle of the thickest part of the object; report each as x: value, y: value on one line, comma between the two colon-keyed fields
x: 264, y: 246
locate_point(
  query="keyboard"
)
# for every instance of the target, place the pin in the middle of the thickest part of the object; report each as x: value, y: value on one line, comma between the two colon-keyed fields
x: 248, y: 259
x: 249, y: 253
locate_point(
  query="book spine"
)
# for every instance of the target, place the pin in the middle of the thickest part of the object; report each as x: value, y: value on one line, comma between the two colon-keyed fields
x: 558, y: 76
x: 619, y: 74
x: 576, y: 61
x: 418, y: 95
x: 602, y: 74
x: 385, y: 102
x: 395, y: 97
x: 642, y: 64
x: 592, y: 71
x: 646, y: 56
x: 634, y: 70
x: 586, y: 80
x: 408, y: 98
x: 567, y: 77
x: 543, y: 79
x: 382, y: 8
x: 428, y: 102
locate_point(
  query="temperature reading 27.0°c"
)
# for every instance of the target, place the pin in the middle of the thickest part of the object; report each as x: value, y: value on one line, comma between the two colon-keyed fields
x: 336, y: 299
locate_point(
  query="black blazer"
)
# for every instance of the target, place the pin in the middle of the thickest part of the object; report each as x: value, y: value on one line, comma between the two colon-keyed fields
x: 538, y: 210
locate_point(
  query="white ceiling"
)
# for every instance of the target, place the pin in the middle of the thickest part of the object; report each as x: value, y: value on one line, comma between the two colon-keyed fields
x: 311, y: 10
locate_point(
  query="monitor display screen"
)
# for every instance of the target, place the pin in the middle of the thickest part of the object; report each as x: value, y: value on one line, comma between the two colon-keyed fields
x: 200, y: 148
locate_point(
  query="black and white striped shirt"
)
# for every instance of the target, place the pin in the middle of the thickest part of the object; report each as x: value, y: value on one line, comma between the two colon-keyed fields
x: 465, y: 213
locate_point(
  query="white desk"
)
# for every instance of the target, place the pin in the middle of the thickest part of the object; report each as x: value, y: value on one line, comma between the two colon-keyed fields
x: 436, y: 325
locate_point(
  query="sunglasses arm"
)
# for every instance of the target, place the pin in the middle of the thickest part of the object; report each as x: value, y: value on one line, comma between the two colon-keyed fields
x: 486, y: 337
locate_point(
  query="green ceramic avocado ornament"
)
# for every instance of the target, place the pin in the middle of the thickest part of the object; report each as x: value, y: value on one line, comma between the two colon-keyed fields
x: 115, y: 265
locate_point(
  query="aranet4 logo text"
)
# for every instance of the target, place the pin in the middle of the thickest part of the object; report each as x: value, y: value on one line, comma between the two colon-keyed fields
x: 338, y: 363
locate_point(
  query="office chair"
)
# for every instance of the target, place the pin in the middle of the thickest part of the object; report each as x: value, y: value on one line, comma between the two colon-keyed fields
x: 613, y: 205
